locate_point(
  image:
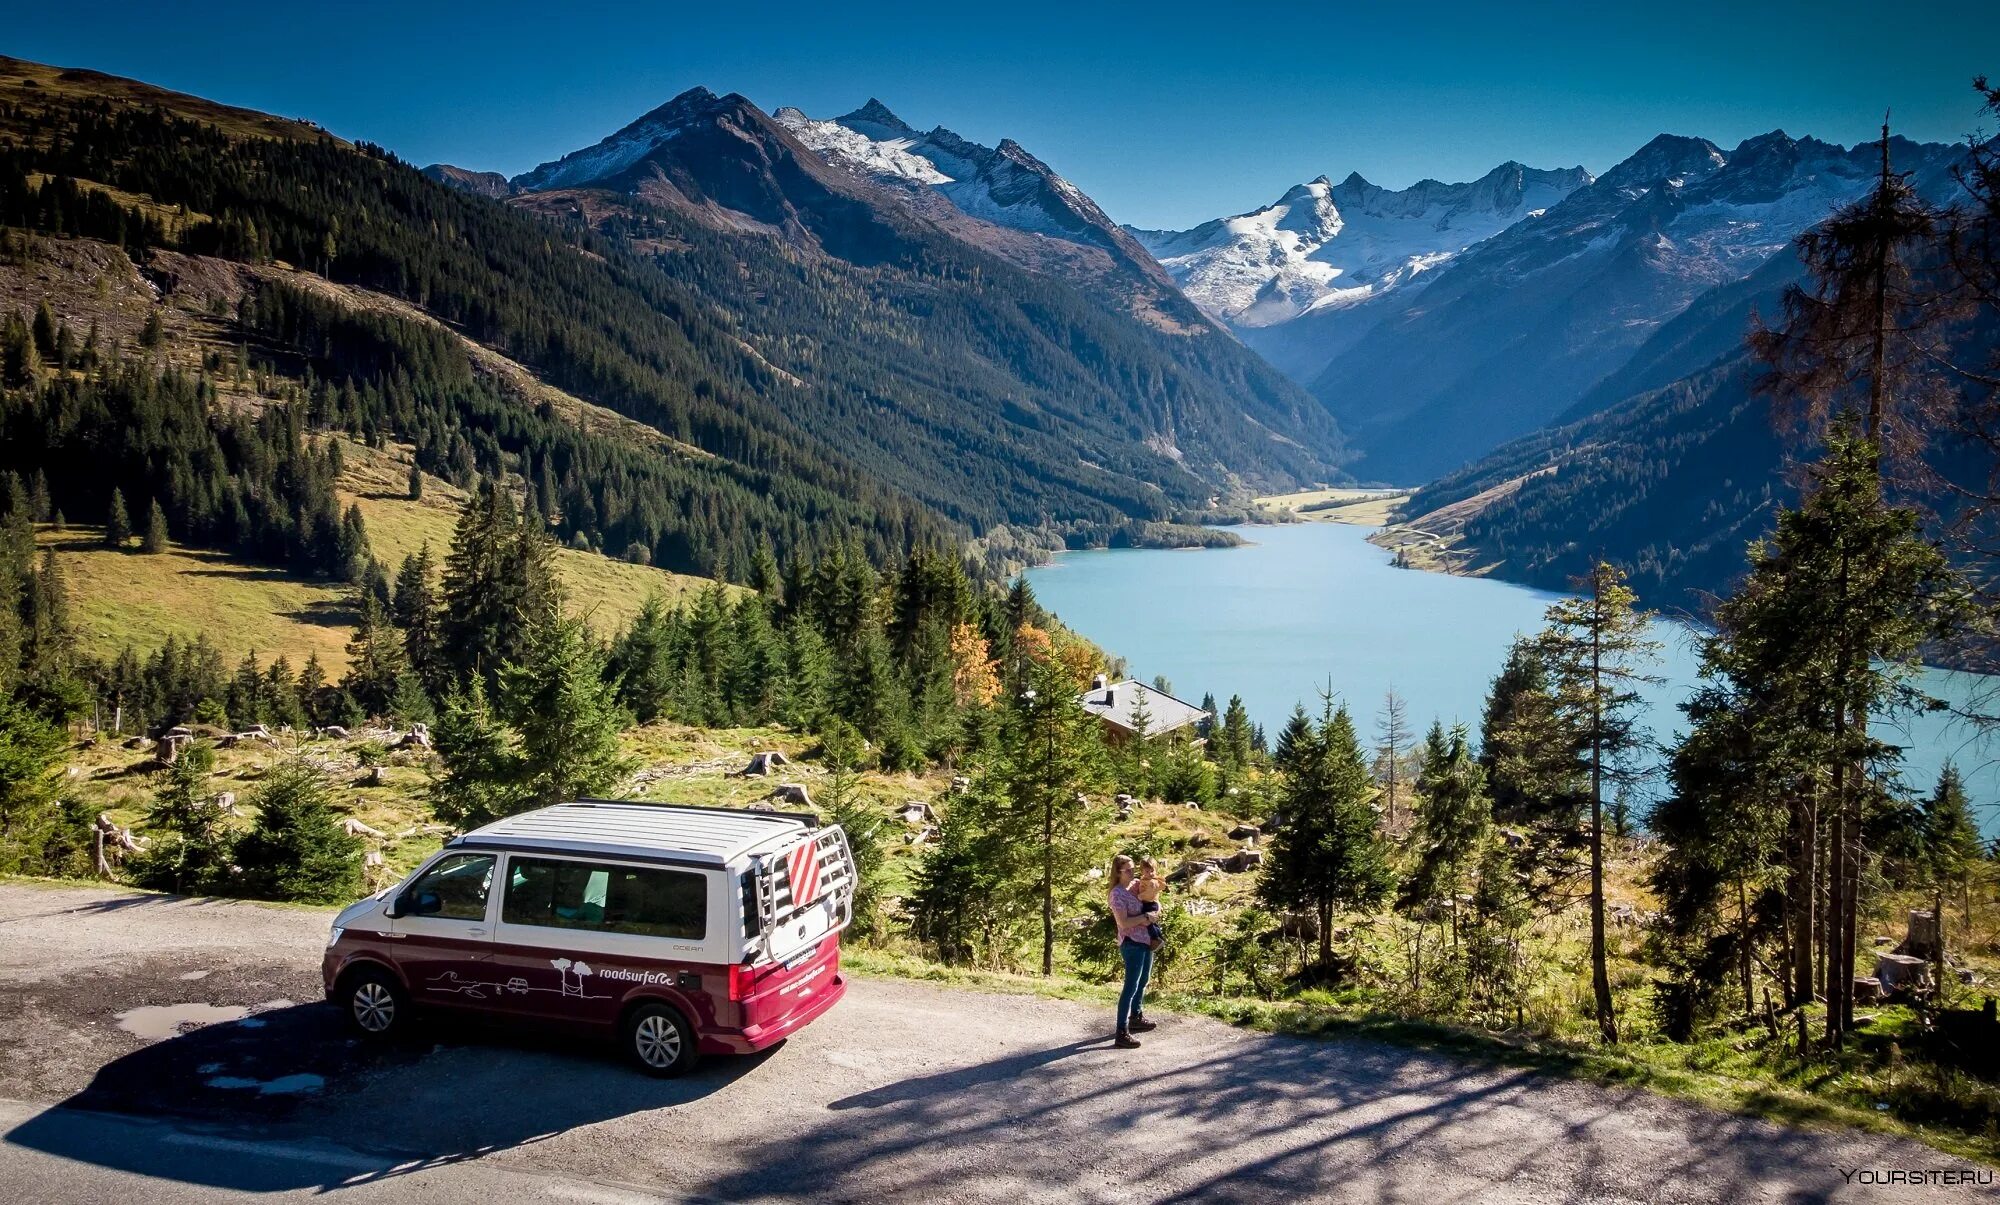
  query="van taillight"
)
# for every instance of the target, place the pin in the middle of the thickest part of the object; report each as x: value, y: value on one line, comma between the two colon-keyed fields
x: 741, y: 980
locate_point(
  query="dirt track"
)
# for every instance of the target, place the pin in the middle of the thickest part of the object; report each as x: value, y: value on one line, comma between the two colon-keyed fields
x: 902, y: 1092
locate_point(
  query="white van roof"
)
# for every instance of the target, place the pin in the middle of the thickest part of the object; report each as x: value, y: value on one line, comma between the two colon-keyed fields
x: 705, y: 836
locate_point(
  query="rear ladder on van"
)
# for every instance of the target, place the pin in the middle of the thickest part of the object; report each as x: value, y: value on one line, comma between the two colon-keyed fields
x: 816, y: 871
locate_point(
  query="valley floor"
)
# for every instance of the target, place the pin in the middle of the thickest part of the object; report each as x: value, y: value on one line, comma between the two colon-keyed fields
x: 904, y: 1091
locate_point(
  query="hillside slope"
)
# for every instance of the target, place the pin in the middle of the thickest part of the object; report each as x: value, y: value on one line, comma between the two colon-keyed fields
x: 895, y: 298
x: 768, y: 392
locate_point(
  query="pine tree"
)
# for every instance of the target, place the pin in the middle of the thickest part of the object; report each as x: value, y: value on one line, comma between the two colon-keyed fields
x: 298, y: 849
x: 1136, y: 753
x: 1952, y: 848
x: 192, y: 844
x: 375, y: 659
x: 1392, y: 733
x: 312, y: 690
x: 1053, y: 756
x: 415, y: 611
x: 1828, y: 626
x: 1233, y: 745
x: 155, y: 540
x: 564, y: 711
x: 1593, y: 649
x: 117, y: 524
x: 1327, y: 854
x: 30, y: 754
x: 416, y: 486
x: 1451, y: 826
x: 479, y: 777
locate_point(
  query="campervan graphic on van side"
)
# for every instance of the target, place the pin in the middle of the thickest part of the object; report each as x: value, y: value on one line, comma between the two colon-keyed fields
x: 683, y: 930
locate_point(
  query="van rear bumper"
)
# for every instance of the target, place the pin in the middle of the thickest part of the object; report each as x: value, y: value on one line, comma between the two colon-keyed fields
x: 757, y: 1037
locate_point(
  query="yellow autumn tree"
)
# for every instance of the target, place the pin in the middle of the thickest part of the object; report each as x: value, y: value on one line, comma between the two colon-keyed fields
x: 975, y: 676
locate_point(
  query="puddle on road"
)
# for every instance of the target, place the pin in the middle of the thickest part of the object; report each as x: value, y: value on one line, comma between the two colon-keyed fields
x: 284, y: 1085
x: 153, y: 1022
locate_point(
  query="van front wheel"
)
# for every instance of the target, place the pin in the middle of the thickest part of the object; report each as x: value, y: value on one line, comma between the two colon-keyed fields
x: 659, y: 1040
x: 375, y: 1004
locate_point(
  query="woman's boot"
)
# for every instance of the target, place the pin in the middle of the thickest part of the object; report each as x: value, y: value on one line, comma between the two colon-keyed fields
x: 1140, y: 1024
x: 1125, y: 1040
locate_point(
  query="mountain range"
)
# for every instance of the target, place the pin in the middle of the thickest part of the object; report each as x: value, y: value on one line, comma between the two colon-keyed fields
x: 1300, y: 279
x: 1519, y: 328
x: 955, y: 336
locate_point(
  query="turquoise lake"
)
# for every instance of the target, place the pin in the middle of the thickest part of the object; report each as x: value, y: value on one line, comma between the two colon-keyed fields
x: 1310, y: 604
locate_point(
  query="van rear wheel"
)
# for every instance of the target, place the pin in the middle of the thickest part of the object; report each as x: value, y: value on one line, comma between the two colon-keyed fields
x: 375, y: 1004
x: 659, y: 1040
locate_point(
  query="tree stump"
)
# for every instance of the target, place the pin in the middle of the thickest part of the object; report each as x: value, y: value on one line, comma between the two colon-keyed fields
x: 1922, y: 939
x: 1899, y: 973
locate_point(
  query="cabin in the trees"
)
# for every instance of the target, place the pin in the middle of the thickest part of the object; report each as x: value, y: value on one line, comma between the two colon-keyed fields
x: 1124, y: 707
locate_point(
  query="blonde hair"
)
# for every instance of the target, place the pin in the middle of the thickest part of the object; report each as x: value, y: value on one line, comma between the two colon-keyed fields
x: 1149, y: 865
x: 1123, y: 862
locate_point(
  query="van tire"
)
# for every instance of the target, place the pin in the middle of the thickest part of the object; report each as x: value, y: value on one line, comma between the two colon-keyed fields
x: 375, y: 1005
x: 658, y: 1040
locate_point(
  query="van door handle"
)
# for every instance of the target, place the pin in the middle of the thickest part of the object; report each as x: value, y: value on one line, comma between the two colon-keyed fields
x: 477, y: 932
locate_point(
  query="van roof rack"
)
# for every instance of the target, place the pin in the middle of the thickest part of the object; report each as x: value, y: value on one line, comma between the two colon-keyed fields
x: 810, y: 818
x: 635, y: 829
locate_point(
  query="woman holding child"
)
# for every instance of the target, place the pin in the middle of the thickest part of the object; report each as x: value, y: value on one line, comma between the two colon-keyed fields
x: 1135, y: 908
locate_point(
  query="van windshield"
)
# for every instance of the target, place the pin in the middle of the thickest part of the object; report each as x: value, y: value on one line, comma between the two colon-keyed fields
x: 643, y: 901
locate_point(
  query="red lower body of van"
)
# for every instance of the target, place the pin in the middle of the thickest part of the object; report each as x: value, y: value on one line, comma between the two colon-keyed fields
x: 778, y: 999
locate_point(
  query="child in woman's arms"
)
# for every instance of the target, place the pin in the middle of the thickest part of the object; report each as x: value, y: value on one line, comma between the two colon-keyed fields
x: 1147, y: 886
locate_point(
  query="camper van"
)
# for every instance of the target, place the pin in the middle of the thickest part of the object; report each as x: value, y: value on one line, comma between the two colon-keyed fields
x: 681, y: 930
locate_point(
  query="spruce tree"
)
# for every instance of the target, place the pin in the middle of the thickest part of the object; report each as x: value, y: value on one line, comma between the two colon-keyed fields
x: 117, y: 524
x: 1952, y: 848
x: 479, y: 776
x: 375, y: 659
x: 415, y: 611
x: 298, y: 849
x: 155, y: 540
x: 1827, y: 626
x: 1232, y: 743
x: 564, y: 711
x: 1452, y: 825
x: 192, y: 844
x: 1593, y: 650
x: 30, y: 755
x: 1327, y: 854
x: 1053, y: 755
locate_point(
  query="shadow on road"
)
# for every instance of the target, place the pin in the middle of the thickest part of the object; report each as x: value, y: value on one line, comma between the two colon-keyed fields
x: 457, y: 1089
x: 1274, y: 1119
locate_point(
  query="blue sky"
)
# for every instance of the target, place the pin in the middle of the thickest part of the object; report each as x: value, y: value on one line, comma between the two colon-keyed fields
x: 1167, y: 113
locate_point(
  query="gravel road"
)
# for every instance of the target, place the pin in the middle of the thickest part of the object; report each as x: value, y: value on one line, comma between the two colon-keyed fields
x: 177, y: 1050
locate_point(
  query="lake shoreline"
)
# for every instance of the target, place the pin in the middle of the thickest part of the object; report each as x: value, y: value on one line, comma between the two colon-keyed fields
x: 1311, y: 602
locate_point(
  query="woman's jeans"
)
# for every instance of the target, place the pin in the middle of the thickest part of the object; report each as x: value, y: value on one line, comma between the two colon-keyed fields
x: 1138, y: 969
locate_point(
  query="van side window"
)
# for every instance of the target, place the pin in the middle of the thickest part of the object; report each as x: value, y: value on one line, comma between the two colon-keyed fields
x: 459, y: 882
x: 641, y: 901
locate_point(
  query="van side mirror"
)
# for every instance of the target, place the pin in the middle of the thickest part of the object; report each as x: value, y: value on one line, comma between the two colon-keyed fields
x: 420, y: 903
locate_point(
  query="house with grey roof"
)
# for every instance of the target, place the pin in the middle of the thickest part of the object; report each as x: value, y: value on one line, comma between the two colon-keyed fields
x: 1118, y: 706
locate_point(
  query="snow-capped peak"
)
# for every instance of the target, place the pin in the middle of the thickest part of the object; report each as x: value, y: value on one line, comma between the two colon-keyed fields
x: 626, y: 147
x: 1004, y: 185
x: 1326, y: 245
x: 877, y: 115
